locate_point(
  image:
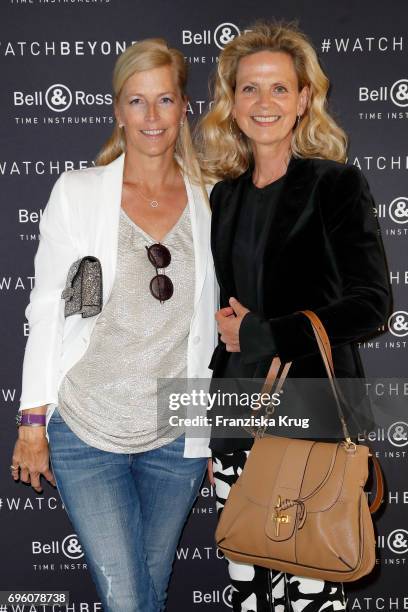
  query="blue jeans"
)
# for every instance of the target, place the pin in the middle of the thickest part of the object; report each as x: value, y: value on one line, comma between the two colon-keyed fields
x: 128, y: 511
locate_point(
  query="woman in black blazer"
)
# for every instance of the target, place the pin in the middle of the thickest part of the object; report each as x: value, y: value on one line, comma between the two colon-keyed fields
x: 293, y: 228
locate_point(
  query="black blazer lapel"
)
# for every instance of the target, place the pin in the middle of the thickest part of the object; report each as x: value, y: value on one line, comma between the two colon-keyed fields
x: 223, y: 225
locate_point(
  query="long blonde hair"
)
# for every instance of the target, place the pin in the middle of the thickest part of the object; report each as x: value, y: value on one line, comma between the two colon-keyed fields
x: 146, y: 55
x: 224, y: 151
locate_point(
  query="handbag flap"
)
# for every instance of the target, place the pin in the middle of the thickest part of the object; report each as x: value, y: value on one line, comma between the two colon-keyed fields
x: 291, y: 477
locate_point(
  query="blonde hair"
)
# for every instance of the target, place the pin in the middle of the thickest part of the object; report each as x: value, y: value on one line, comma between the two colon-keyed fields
x: 146, y: 55
x: 225, y: 151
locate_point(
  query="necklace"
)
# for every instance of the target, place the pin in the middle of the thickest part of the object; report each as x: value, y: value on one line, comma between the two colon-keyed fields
x: 153, y: 203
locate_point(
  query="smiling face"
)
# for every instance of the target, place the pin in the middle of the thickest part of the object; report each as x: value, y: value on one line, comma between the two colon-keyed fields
x: 150, y: 108
x: 267, y: 99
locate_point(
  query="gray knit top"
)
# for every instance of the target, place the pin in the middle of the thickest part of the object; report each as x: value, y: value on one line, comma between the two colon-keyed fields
x: 109, y: 397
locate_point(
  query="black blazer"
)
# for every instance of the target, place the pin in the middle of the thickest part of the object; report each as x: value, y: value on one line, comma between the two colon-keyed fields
x: 323, y: 253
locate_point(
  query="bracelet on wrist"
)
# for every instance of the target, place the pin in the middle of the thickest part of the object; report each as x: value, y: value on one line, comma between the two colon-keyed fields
x: 30, y: 419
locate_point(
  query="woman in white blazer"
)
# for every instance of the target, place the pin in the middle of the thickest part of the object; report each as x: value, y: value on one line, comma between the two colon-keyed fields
x: 89, y: 394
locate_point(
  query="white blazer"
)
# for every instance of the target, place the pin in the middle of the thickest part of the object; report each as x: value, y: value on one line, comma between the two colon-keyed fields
x: 82, y: 218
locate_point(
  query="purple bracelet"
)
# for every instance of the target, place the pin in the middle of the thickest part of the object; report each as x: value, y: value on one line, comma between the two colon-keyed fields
x: 30, y: 419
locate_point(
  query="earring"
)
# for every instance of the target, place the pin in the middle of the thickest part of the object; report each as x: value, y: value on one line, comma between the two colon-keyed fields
x: 298, y: 118
x: 120, y: 125
x: 181, y: 123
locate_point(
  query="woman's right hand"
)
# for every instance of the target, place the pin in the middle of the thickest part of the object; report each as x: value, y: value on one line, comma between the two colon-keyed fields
x: 31, y: 456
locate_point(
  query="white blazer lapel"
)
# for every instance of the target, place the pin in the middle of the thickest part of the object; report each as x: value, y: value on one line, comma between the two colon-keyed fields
x: 200, y: 226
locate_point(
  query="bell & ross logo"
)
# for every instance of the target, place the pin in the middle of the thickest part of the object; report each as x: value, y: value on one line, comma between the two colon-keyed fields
x: 391, y: 101
x: 70, y: 547
x: 220, y: 36
x: 59, y: 98
x: 397, y: 93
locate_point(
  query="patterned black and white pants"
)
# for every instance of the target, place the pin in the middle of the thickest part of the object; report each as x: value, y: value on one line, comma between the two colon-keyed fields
x: 257, y: 589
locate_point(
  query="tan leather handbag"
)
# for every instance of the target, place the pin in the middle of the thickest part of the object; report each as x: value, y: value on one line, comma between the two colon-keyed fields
x: 299, y: 505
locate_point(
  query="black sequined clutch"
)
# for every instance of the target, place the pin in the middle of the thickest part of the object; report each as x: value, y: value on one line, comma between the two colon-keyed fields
x: 83, y: 290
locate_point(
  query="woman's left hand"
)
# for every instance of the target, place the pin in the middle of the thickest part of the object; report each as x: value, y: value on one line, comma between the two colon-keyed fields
x: 229, y: 320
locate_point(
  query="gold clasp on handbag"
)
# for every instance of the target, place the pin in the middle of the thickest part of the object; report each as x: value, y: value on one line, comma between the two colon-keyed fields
x: 350, y: 445
x: 278, y: 517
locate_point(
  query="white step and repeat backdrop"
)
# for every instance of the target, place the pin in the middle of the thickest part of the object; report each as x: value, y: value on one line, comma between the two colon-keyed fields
x: 56, y: 61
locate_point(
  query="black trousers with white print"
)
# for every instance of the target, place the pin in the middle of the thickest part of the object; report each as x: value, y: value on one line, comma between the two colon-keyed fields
x: 257, y: 589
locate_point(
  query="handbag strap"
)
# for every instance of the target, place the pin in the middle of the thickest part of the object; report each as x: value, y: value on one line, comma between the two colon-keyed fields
x: 379, y: 493
x: 278, y: 372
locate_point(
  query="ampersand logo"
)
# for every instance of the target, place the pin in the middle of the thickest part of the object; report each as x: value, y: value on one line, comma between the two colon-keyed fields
x: 58, y: 98
x: 397, y: 434
x: 397, y: 541
x: 227, y: 596
x: 399, y: 92
x: 398, y: 323
x: 398, y: 210
x: 71, y: 547
x: 224, y: 33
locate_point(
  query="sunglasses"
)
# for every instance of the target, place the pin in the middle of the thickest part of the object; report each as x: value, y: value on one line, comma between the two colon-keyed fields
x: 161, y: 286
